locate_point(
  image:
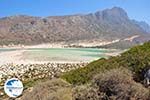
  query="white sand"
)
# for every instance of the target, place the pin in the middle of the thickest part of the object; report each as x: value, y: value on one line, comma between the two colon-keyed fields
x: 113, y: 53
x: 10, y: 56
x: 18, y: 57
x: 45, y: 45
x: 82, y: 43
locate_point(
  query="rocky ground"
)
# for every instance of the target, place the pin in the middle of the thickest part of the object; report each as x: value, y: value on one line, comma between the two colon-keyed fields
x: 34, y: 71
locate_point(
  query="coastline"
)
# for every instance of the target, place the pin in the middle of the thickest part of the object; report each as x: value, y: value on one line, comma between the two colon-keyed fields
x: 18, y: 57
x: 45, y: 45
x: 13, y: 64
x: 77, y: 44
x: 13, y: 61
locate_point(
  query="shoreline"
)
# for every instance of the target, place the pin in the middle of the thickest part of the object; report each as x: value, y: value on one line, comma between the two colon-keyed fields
x: 14, y: 62
x: 77, y: 44
x: 18, y: 57
x: 12, y: 65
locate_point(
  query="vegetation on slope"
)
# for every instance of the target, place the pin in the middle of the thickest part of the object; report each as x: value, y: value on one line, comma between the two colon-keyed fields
x: 137, y: 59
x: 106, y: 79
x: 115, y: 84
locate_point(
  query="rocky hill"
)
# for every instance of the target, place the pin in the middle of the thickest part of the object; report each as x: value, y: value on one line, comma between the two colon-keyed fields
x: 143, y: 25
x: 107, y: 25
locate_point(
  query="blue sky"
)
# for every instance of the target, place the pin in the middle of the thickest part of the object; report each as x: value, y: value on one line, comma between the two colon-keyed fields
x: 136, y: 9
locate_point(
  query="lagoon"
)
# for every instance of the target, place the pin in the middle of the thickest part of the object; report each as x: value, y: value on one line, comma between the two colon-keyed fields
x: 65, y: 54
x: 54, y: 55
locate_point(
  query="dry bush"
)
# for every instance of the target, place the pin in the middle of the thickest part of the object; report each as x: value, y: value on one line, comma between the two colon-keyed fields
x: 86, y: 93
x: 55, y: 89
x: 119, y: 85
x: 116, y: 84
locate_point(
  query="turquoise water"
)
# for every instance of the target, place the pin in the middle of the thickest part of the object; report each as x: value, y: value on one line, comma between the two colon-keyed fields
x: 6, y: 49
x: 64, y: 54
x: 60, y: 54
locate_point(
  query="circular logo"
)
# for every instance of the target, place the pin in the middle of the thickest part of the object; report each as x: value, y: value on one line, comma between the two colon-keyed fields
x: 13, y: 87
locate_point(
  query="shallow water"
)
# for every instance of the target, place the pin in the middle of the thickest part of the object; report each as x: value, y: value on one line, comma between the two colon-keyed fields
x: 43, y: 55
x: 64, y: 54
x: 6, y: 49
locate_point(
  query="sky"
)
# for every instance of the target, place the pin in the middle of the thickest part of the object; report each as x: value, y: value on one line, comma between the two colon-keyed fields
x: 136, y: 9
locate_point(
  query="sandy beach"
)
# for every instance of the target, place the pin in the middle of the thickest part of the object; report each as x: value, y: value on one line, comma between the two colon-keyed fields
x: 20, y: 56
x: 80, y: 43
x: 17, y: 57
x: 10, y: 56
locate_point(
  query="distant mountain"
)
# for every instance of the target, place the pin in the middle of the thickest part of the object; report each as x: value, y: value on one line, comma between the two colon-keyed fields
x: 107, y: 25
x: 143, y: 25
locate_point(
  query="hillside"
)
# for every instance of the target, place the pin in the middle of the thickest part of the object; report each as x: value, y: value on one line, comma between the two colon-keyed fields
x: 116, y: 78
x: 102, y: 26
x: 143, y: 25
x: 136, y: 59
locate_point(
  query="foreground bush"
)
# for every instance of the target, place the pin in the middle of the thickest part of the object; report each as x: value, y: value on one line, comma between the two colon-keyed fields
x: 119, y: 84
x: 55, y: 89
x: 87, y: 92
x: 116, y: 84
